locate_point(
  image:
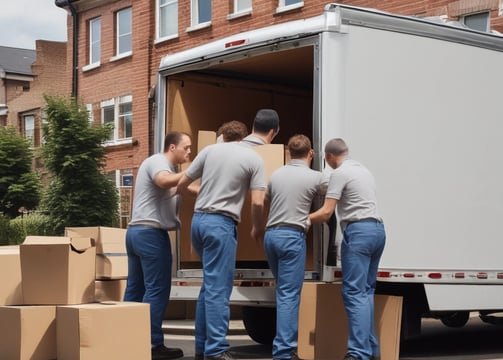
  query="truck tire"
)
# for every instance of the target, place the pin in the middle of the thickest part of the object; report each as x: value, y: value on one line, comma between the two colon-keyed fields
x: 455, y: 319
x: 260, y: 323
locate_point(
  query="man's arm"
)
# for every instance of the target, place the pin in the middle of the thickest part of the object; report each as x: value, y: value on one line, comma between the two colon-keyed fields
x: 257, y: 213
x: 183, y: 184
x: 323, y: 214
x: 166, y: 179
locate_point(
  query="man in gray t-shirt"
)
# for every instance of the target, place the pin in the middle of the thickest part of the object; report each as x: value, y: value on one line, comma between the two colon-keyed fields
x: 352, y: 189
x: 227, y: 171
x: 291, y: 191
x: 155, y: 211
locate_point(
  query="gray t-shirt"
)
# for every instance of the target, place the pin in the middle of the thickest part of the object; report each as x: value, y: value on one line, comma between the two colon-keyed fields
x: 291, y: 191
x: 354, y: 188
x: 153, y: 205
x: 253, y: 140
x: 227, y: 171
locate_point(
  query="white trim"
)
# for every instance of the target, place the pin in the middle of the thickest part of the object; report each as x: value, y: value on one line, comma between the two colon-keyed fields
x: 282, y: 9
x: 91, y: 66
x: 121, y: 56
x: 166, y: 38
x: 239, y: 14
x: 198, y: 26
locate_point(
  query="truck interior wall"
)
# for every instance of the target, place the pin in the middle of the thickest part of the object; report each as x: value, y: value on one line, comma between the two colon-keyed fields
x: 203, y: 102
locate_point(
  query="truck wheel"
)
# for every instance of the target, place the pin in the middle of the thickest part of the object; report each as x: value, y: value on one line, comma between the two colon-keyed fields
x: 455, y: 319
x: 260, y: 323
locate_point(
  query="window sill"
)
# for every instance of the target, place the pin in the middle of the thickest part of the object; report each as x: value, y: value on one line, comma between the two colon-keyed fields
x: 283, y: 9
x: 198, y: 26
x: 121, y: 56
x: 165, y: 38
x: 91, y: 66
x: 120, y: 142
x: 238, y: 15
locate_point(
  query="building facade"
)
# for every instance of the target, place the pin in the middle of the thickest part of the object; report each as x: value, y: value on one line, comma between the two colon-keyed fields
x: 115, y: 47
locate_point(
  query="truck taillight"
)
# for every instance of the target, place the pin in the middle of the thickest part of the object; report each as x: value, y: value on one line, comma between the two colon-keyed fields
x: 409, y: 275
x: 481, y: 275
x: 235, y: 43
x: 384, y: 274
x: 499, y: 276
x: 435, y: 275
x: 459, y: 275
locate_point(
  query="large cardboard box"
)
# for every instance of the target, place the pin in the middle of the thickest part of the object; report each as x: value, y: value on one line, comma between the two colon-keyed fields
x: 57, y: 270
x: 323, y: 327
x: 111, y: 254
x: 114, y: 330
x: 10, y: 276
x: 110, y: 290
x: 27, y: 332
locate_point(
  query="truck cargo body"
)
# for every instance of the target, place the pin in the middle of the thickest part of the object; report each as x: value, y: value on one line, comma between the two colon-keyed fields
x: 418, y: 103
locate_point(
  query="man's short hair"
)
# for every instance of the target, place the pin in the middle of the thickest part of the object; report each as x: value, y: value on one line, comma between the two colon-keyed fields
x: 265, y: 120
x: 299, y: 146
x: 173, y: 138
x: 336, y: 146
x: 232, y: 131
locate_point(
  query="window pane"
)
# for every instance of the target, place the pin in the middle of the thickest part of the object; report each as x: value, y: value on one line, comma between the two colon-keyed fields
x: 242, y: 5
x: 29, y: 127
x: 125, y: 120
x: 204, y: 11
x: 108, y: 118
x: 478, y: 22
x: 95, y: 40
x: 124, y: 31
x: 291, y: 2
x: 168, y: 18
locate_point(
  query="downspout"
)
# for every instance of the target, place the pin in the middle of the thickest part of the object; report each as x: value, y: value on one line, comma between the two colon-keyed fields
x: 75, y: 68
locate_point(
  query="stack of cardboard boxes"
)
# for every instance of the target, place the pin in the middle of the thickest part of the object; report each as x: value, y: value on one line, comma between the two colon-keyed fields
x: 53, y: 305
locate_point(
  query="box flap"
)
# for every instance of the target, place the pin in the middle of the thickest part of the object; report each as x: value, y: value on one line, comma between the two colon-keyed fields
x: 81, y: 244
x: 46, y: 240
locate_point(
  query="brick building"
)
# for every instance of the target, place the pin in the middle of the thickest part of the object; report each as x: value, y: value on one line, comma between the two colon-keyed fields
x: 119, y: 45
x: 25, y: 77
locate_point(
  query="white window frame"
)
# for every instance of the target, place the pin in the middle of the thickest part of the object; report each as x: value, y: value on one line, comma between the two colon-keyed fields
x: 29, y: 133
x: 172, y: 5
x: 242, y: 6
x: 94, y: 41
x: 115, y: 103
x: 283, y: 6
x: 122, y: 33
x: 194, y: 16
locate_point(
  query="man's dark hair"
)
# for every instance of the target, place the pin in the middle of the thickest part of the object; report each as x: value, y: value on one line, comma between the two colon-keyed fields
x: 265, y: 120
x: 173, y: 138
x: 299, y: 146
x: 336, y: 147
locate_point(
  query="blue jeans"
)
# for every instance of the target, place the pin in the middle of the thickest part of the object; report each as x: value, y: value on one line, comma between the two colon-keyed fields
x: 149, y: 273
x: 286, y: 252
x: 361, y: 250
x: 214, y: 238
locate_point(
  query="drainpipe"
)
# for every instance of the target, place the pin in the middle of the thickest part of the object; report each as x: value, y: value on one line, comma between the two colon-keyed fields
x: 75, y: 15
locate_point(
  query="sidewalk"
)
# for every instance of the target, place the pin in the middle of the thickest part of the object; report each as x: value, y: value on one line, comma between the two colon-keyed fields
x: 186, y: 327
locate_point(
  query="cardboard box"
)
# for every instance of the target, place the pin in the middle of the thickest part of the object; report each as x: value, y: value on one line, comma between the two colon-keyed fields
x: 10, y: 276
x: 114, y: 330
x: 110, y: 290
x: 28, y: 332
x: 111, y: 254
x: 323, y: 327
x: 57, y: 270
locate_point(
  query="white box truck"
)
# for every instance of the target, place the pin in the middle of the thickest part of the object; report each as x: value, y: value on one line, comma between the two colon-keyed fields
x: 419, y: 103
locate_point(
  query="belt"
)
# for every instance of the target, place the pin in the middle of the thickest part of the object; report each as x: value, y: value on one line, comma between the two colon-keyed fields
x: 291, y: 226
x: 364, y: 220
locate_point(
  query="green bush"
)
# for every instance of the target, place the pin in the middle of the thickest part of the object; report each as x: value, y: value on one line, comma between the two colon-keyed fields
x: 31, y: 224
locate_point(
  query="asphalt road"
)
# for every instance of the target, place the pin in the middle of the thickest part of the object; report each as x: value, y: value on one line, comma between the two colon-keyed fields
x: 475, y: 341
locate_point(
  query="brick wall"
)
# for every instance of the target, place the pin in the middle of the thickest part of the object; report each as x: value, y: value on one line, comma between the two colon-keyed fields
x: 136, y: 75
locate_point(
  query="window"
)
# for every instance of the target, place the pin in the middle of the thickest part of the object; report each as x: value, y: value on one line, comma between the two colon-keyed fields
x: 119, y: 113
x: 124, y: 32
x: 201, y: 12
x: 286, y: 5
x: 29, y: 128
x: 479, y: 21
x: 95, y: 41
x: 242, y: 6
x: 167, y: 18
